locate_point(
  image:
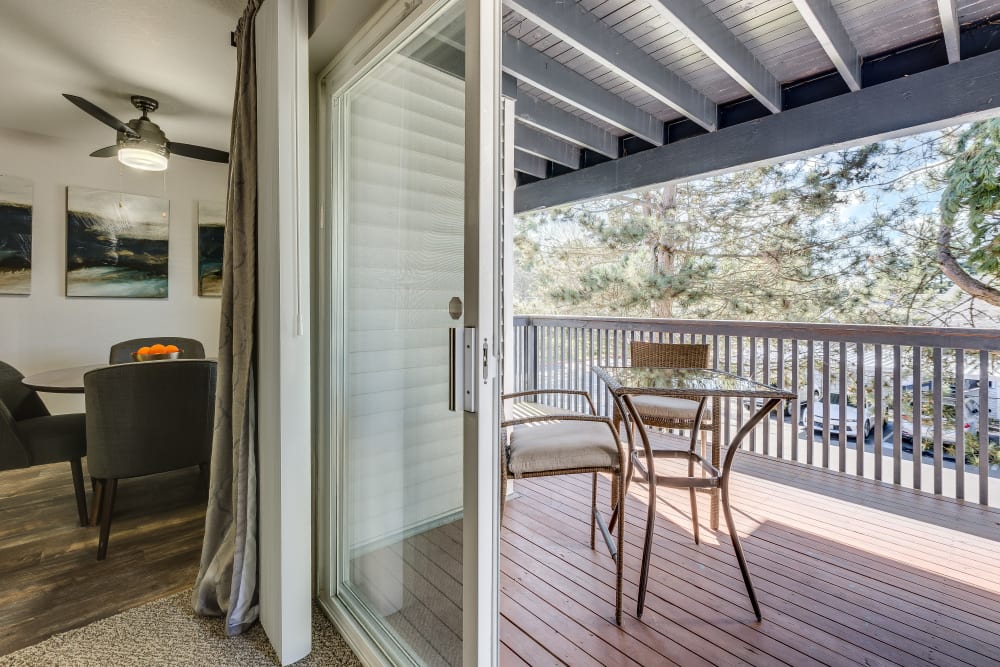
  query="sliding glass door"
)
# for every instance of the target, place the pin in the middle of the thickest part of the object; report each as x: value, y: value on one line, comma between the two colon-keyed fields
x: 412, y: 394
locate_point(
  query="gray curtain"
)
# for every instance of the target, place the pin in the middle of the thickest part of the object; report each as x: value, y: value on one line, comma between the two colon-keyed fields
x: 227, y: 580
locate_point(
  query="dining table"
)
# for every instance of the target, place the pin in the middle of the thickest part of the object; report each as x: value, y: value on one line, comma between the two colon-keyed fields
x: 698, y: 384
x: 70, y: 380
x: 60, y: 380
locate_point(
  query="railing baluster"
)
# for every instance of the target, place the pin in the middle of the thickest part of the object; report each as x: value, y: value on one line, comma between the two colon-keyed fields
x: 765, y: 374
x: 842, y: 411
x: 918, y: 399
x: 728, y: 403
x: 810, y: 425
x: 860, y: 410
x: 984, y: 423
x: 960, y: 418
x: 779, y: 377
x: 825, y: 402
x: 879, y: 414
x: 796, y: 410
x: 739, y: 371
x: 938, y: 420
x: 897, y: 415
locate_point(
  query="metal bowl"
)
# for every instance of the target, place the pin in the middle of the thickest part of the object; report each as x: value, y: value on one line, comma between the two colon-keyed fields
x: 156, y: 357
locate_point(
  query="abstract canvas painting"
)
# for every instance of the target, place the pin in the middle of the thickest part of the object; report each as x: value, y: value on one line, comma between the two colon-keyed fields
x: 15, y: 235
x: 211, y: 236
x: 116, y: 244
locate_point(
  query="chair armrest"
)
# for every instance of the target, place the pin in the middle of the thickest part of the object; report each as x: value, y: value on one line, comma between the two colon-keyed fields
x: 537, y: 419
x: 565, y: 392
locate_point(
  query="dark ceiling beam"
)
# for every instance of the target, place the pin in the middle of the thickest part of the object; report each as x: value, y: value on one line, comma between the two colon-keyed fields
x: 554, y: 78
x: 586, y: 33
x: 530, y: 164
x: 951, y: 29
x: 698, y: 23
x: 935, y: 98
x: 822, y: 19
x: 540, y: 144
x: 560, y: 123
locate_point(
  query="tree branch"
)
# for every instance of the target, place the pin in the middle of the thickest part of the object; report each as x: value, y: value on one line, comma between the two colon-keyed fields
x: 951, y: 268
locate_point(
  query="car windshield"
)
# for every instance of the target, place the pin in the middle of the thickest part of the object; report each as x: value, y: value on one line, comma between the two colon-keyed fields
x: 835, y: 400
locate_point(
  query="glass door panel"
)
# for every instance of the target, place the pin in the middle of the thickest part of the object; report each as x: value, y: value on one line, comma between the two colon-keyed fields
x: 401, y: 259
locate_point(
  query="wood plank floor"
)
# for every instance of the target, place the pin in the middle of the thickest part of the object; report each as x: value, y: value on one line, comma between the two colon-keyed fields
x: 847, y: 571
x: 50, y: 580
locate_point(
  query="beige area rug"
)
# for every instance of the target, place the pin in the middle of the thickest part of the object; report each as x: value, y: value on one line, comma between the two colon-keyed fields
x: 168, y: 632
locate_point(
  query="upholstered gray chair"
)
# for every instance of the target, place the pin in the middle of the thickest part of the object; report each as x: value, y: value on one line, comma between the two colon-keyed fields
x: 145, y: 418
x: 121, y: 353
x: 30, y: 436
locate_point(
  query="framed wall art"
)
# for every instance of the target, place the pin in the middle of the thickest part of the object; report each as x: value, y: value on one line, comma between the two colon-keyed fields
x: 15, y: 235
x: 117, y: 244
x: 211, y: 237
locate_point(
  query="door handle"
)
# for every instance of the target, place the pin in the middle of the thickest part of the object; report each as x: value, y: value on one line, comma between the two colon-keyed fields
x: 454, y: 359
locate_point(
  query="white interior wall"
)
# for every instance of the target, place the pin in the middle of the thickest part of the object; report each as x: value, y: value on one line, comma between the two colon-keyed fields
x: 47, y: 330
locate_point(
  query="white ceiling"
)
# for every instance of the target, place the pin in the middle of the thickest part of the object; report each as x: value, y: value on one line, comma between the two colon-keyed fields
x: 176, y: 51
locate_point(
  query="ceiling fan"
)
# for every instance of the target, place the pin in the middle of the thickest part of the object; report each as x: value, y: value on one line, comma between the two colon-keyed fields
x: 141, y: 143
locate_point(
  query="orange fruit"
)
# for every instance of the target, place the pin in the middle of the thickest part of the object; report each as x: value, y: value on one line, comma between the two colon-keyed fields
x: 143, y: 350
x: 159, y: 348
x: 171, y: 348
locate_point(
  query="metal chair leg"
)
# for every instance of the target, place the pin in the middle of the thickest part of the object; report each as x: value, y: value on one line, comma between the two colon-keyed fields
x: 647, y: 548
x: 738, y: 548
x: 620, y: 560
x: 503, y: 496
x: 694, y: 501
x: 593, y: 510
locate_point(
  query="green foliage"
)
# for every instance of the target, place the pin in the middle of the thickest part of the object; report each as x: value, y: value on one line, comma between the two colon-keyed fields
x: 973, y: 192
x: 849, y: 236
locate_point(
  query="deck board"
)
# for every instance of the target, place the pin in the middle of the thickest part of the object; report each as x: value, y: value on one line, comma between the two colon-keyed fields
x: 848, y: 571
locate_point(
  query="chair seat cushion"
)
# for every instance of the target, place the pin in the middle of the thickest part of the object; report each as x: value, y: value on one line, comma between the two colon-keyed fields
x: 562, y: 445
x: 55, y: 438
x: 668, y: 407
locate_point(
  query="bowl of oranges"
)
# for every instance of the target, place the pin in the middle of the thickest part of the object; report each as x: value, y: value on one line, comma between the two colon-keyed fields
x: 156, y: 352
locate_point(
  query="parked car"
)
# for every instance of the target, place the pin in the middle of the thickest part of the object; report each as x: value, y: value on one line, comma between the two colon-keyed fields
x: 832, y: 406
x: 789, y: 411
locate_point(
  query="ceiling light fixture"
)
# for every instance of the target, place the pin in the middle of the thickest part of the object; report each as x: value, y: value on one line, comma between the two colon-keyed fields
x: 142, y: 158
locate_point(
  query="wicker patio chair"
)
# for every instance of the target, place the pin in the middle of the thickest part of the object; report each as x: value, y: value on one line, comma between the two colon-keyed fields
x: 568, y: 444
x: 678, y: 413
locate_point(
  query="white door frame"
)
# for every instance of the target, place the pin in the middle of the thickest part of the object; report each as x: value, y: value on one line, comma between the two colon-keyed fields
x: 284, y: 433
x: 381, y: 35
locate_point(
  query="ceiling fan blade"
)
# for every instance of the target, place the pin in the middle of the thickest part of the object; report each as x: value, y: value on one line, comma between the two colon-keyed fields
x: 198, y: 152
x: 100, y: 114
x: 107, y: 151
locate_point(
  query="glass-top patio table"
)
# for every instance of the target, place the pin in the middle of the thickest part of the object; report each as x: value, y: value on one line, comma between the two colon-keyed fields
x: 696, y: 384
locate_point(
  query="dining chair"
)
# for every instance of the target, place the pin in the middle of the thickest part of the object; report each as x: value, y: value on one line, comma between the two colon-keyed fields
x: 564, y: 443
x: 30, y: 436
x: 677, y: 413
x: 121, y: 353
x: 146, y: 418
x: 666, y: 412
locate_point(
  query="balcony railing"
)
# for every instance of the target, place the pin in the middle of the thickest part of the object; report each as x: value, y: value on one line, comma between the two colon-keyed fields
x: 915, y: 406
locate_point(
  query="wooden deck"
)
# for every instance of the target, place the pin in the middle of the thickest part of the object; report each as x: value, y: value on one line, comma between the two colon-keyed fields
x: 847, y: 572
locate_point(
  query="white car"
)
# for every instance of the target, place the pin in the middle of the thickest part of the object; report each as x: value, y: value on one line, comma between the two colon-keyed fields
x: 868, y: 419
